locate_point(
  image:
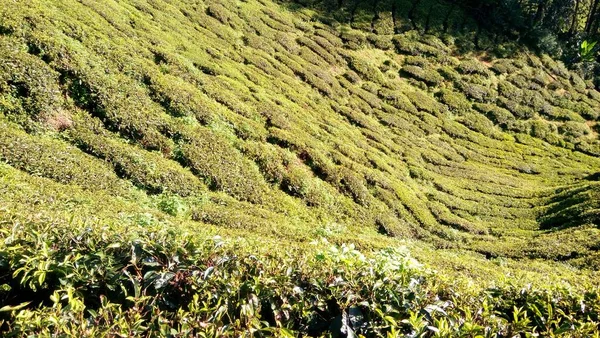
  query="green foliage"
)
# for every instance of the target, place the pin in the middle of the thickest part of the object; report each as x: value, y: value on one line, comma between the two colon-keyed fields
x: 212, y: 158
x: 132, y: 133
x: 472, y: 66
x: 456, y: 101
x: 499, y: 116
x: 65, y: 164
x: 477, y: 92
x: 431, y: 77
x: 574, y: 129
x: 354, y: 40
x: 518, y: 110
x: 586, y: 50
x: 478, y: 122
x: 147, y: 170
x: 367, y: 70
x: 173, y: 271
x: 408, y: 46
x: 504, y: 66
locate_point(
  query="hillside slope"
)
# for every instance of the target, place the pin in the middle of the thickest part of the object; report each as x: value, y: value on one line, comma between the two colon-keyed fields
x: 253, y: 119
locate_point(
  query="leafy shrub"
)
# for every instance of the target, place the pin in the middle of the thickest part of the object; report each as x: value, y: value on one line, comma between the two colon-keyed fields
x: 556, y: 67
x: 389, y: 65
x: 384, y: 25
x: 520, y: 81
x: 287, y: 42
x: 366, y: 69
x: 590, y: 147
x: 499, y: 116
x: 431, y: 77
x: 417, y: 61
x: 586, y: 111
x: 435, y: 42
x: 541, y: 78
x: 336, y: 284
x: 456, y: 101
x: 318, y: 50
x: 219, y: 12
x: 147, y: 170
x: 477, y: 92
x: 28, y: 79
x: 398, y: 100
x: 352, y: 76
x: 504, y: 66
x: 542, y: 129
x: 380, y: 41
x: 171, y: 204
x: 578, y: 83
x: 66, y: 164
x: 354, y: 40
x: 450, y: 74
x: 331, y: 36
x: 405, y: 45
x: 477, y: 122
x: 425, y: 102
x: 573, y: 130
x: 547, y: 43
x: 472, y: 66
x: 561, y: 114
x: 595, y: 95
x: 212, y: 158
x: 519, y: 111
x: 180, y: 98
x: 533, y: 99
x: 509, y: 91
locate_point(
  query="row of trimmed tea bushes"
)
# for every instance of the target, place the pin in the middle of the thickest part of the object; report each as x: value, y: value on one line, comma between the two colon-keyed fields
x: 573, y: 206
x: 261, y: 91
x: 517, y: 95
x: 156, y: 280
x: 51, y: 158
x: 147, y: 170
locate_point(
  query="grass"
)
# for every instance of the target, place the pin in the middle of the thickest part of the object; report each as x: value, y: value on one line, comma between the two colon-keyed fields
x: 132, y: 134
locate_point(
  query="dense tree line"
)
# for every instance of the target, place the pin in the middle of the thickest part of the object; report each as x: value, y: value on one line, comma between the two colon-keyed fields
x: 561, y: 28
x: 555, y: 27
x: 566, y: 19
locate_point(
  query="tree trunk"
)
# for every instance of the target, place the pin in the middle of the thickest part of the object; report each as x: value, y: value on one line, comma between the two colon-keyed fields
x: 539, y: 13
x: 394, y: 18
x: 573, y: 28
x: 447, y: 18
x: 591, y: 17
x: 428, y: 21
x: 411, y: 13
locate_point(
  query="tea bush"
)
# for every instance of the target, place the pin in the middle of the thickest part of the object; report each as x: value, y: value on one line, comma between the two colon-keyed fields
x: 133, y: 133
x: 431, y: 77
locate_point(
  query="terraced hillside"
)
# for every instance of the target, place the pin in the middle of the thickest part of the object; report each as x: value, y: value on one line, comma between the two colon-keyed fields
x: 257, y: 120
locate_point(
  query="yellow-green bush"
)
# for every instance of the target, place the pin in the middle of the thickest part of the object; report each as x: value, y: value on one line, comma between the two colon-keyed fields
x: 429, y: 76
x: 456, y: 101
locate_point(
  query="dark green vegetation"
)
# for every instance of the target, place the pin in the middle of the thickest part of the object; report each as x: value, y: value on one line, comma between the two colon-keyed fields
x: 133, y: 133
x: 565, y: 29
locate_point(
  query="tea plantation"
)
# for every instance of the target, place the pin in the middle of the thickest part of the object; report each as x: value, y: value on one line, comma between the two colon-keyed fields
x: 203, y: 168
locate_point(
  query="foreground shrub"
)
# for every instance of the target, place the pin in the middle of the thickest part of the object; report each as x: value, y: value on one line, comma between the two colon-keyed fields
x: 154, y: 280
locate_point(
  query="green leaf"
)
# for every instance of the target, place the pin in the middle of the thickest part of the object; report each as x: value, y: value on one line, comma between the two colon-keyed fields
x: 9, y: 308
